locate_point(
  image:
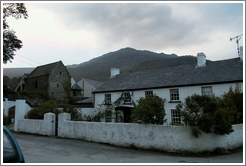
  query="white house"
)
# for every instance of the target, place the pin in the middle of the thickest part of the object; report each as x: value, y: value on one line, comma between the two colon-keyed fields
x: 88, y: 86
x: 173, y: 84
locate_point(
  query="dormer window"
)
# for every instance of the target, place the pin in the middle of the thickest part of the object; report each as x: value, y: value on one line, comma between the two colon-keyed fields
x: 127, y: 97
x: 107, y: 98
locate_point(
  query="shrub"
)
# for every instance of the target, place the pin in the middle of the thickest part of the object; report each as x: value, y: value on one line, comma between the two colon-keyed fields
x: 222, y: 125
x: 75, y: 115
x: 6, y: 120
x: 38, y: 113
x: 232, y: 101
x: 204, y: 114
x: 149, y: 110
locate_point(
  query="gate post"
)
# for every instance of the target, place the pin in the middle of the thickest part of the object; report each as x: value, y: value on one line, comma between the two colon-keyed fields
x: 49, y: 123
x: 20, y: 111
x: 62, y: 126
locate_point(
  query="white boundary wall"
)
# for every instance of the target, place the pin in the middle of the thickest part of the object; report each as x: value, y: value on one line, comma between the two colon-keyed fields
x: 36, y: 126
x: 159, y: 137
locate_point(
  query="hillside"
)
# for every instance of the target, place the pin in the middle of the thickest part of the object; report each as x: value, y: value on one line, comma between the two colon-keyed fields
x: 16, y: 72
x: 127, y: 60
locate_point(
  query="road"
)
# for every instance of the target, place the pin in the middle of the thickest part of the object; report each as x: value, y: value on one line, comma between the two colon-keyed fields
x: 42, y: 149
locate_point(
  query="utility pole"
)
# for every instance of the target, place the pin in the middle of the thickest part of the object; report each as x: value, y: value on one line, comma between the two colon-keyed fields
x: 238, y: 38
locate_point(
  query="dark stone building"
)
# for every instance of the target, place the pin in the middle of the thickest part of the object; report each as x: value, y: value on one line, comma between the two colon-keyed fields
x: 50, y: 80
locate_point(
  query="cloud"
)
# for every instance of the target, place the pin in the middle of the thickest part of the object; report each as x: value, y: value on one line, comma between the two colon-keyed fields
x: 83, y: 31
x: 155, y: 24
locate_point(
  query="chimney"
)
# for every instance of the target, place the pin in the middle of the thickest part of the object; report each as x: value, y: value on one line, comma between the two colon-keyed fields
x: 241, y: 52
x: 201, y: 60
x: 114, y: 72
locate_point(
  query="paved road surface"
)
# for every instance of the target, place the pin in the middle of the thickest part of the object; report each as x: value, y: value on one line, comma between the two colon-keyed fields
x: 42, y: 149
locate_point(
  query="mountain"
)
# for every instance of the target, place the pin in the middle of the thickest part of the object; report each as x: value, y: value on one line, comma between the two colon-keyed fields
x: 126, y: 59
x: 16, y: 72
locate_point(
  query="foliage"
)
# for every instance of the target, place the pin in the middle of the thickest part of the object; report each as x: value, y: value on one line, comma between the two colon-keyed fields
x: 35, y: 97
x: 13, y: 82
x: 204, y: 114
x: 222, y: 125
x: 6, y: 120
x: 91, y: 118
x: 67, y: 88
x: 10, y: 41
x: 149, y: 110
x: 232, y: 102
x: 5, y: 80
x: 75, y: 115
x: 38, y: 113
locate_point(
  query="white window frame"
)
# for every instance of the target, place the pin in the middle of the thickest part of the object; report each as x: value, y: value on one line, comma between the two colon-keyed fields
x: 176, y: 118
x: 107, y: 98
x: 127, y: 97
x: 148, y: 93
x: 174, y: 95
x: 207, y: 90
x: 108, y: 116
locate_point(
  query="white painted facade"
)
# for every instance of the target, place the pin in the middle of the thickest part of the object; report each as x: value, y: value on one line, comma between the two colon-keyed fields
x: 87, y: 88
x: 217, y: 90
x: 6, y: 105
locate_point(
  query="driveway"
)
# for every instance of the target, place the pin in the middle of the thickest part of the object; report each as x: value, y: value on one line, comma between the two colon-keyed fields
x: 42, y: 149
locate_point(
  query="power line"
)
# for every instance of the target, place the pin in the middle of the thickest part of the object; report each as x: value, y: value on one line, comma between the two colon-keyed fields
x: 29, y: 59
x: 25, y: 62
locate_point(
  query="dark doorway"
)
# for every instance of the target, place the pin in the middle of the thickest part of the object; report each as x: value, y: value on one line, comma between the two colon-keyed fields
x: 126, y: 110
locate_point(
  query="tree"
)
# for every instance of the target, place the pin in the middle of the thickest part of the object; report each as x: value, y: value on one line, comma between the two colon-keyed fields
x: 149, y: 110
x: 232, y: 102
x: 10, y: 41
x: 204, y: 114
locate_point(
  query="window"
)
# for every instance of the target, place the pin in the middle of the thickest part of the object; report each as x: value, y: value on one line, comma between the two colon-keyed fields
x: 36, y: 84
x: 108, y: 115
x: 175, y: 116
x: 207, y: 90
x: 127, y: 97
x: 74, y: 93
x: 107, y: 99
x: 174, y: 94
x: 148, y: 93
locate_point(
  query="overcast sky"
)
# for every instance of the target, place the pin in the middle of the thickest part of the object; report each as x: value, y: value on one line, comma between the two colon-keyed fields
x: 78, y: 32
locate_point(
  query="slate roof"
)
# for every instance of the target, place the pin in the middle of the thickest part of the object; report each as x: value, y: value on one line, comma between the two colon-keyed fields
x: 215, y: 72
x: 76, y: 87
x: 43, y: 70
x: 94, y: 83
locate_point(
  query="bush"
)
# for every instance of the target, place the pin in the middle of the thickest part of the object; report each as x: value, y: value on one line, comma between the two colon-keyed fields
x: 6, y: 120
x: 75, y: 115
x: 149, y: 110
x: 222, y: 125
x: 38, y: 113
x: 232, y: 102
x: 204, y: 114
